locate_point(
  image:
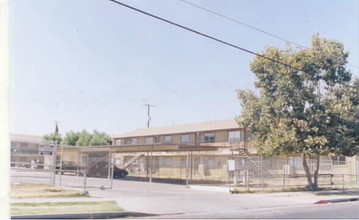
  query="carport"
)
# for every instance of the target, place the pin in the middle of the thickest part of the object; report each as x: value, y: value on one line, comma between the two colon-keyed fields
x: 187, y: 150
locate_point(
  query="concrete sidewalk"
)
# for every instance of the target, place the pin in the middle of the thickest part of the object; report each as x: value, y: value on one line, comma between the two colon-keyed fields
x: 41, y: 200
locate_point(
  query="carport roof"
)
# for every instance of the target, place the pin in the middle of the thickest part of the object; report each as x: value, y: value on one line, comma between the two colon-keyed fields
x: 146, y: 148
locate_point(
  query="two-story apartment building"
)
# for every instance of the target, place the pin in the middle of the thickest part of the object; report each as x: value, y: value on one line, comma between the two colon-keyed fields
x: 222, y: 133
x: 230, y: 142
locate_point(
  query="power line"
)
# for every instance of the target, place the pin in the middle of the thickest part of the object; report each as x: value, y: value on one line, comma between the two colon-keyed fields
x: 241, y: 23
x: 249, y: 26
x: 204, y: 35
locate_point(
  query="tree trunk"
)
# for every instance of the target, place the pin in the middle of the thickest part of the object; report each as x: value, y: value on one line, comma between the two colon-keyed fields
x: 316, y: 172
x: 313, y: 185
x: 307, y: 171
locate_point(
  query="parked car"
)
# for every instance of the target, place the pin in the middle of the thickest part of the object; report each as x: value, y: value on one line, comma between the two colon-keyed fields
x: 119, y: 173
x: 67, y: 166
x: 100, y: 169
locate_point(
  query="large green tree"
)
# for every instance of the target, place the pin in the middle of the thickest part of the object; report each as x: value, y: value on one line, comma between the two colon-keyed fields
x: 309, y: 108
x: 84, y: 138
x: 53, y: 137
x: 71, y: 138
x: 100, y: 138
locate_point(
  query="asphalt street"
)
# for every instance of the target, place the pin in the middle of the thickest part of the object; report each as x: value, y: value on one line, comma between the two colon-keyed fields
x: 179, y: 201
x: 349, y: 210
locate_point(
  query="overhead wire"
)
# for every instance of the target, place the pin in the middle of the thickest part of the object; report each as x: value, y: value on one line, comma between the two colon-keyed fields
x: 204, y: 35
x: 248, y: 26
x: 241, y: 23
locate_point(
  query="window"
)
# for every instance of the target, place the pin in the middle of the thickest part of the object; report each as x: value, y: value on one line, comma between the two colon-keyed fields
x: 131, y: 141
x: 297, y: 162
x: 150, y: 140
x: 338, y: 160
x: 234, y: 136
x: 167, y: 161
x: 119, y: 142
x: 211, y: 163
x: 167, y: 139
x: 185, y: 138
x: 209, y: 137
x: 248, y: 135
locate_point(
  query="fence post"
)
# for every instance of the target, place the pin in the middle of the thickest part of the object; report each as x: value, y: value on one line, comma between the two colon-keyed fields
x: 151, y: 166
x: 247, y: 179
x: 78, y: 164
x: 85, y: 183
x: 51, y: 175
x: 112, y: 164
x: 62, y: 152
x: 54, y: 150
x: 109, y: 165
x: 187, y: 169
x: 284, y: 176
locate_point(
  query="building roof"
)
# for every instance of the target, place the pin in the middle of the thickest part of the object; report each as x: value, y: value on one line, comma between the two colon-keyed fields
x: 144, y: 148
x: 184, y: 128
x: 25, y: 138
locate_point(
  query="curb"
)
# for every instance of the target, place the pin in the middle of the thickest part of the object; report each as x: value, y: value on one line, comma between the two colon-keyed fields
x: 103, y: 215
x: 210, y: 188
x: 336, y: 200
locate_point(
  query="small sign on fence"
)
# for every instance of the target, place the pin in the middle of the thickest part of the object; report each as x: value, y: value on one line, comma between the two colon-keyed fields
x: 231, y: 165
x: 46, y: 149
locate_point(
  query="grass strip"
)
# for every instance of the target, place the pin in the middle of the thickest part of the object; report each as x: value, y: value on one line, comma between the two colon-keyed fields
x: 24, y: 191
x: 64, y: 207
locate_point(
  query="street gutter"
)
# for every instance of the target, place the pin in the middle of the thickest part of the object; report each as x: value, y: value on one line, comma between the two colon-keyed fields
x: 336, y: 200
x: 103, y: 215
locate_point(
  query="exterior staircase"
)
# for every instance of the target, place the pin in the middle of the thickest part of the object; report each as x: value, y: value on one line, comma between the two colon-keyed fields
x: 132, y: 160
x: 102, y: 159
x: 259, y: 169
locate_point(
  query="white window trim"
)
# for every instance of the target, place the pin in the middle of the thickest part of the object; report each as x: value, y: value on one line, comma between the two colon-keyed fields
x: 187, y: 141
x: 336, y: 162
x: 209, y: 141
x: 167, y: 142
x: 234, y: 139
x: 150, y: 138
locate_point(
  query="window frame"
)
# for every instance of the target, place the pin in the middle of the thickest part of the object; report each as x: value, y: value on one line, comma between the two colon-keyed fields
x: 337, y: 162
x: 211, y: 139
x: 237, y: 139
x: 132, y: 141
x: 152, y: 138
x: 185, y: 135
x: 167, y: 141
x: 119, y: 141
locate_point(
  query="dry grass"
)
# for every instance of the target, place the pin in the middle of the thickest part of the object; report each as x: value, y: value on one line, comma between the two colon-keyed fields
x: 64, y: 207
x: 23, y: 191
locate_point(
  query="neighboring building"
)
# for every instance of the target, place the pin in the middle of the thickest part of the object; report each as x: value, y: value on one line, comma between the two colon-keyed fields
x: 24, y: 149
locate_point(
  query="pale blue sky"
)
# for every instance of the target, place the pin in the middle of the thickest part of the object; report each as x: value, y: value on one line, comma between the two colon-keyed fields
x: 92, y: 64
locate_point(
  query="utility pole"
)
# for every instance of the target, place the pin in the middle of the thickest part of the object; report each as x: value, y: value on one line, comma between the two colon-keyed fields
x: 148, y: 114
x: 56, y: 127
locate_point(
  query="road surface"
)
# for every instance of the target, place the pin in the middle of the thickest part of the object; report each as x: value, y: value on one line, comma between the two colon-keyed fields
x: 179, y: 201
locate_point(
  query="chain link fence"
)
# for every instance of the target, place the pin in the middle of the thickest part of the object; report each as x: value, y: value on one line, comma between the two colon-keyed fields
x: 196, y: 167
